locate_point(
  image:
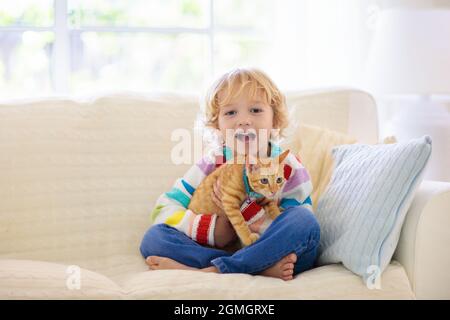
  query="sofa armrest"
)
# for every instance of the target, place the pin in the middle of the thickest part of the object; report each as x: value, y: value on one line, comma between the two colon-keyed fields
x: 423, y: 247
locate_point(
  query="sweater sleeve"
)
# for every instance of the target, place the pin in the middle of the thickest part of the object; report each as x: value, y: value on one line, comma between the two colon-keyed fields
x: 172, y: 207
x: 298, y: 188
x: 255, y: 216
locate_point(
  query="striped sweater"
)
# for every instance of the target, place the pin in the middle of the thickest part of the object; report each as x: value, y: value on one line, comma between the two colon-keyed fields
x: 171, y: 207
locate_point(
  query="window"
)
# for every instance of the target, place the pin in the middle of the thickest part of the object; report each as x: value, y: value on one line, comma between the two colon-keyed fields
x: 75, y: 46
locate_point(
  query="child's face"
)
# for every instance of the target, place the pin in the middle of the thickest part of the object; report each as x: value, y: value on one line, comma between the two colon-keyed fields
x: 241, y: 123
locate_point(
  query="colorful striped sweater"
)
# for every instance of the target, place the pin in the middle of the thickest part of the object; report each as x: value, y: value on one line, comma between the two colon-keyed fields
x: 171, y: 207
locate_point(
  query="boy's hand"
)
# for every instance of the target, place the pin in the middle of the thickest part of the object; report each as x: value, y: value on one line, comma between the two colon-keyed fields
x: 260, y: 225
x: 262, y: 201
x: 217, y: 195
x: 224, y: 233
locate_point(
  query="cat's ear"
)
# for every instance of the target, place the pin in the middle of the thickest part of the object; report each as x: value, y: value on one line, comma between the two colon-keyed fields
x: 252, y: 167
x: 282, y: 156
x: 251, y: 163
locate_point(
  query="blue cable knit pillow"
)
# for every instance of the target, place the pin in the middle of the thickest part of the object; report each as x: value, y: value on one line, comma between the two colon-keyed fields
x: 363, y: 208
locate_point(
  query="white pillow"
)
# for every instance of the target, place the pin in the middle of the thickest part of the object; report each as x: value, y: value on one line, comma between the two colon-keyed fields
x: 363, y: 208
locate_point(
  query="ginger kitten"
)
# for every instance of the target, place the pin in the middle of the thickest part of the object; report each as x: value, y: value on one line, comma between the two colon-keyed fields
x: 262, y: 178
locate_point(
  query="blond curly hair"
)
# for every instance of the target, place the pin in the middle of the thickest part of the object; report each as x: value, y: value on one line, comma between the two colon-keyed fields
x: 233, y: 83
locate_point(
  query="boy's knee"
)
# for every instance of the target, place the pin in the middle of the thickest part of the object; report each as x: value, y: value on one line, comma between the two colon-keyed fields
x: 152, y: 237
x: 303, y: 222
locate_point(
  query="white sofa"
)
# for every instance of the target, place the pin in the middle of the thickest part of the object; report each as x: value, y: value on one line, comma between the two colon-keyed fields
x: 78, y: 180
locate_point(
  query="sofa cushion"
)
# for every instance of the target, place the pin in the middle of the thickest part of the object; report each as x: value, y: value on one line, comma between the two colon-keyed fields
x: 362, y: 211
x: 78, y: 178
x: 327, y: 282
x: 27, y: 279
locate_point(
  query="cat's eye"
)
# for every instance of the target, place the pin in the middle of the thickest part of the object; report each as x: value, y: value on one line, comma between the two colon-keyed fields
x: 264, y: 181
x: 279, y: 180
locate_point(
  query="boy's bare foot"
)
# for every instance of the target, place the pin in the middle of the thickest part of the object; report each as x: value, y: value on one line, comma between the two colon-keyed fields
x: 163, y: 263
x: 283, y: 269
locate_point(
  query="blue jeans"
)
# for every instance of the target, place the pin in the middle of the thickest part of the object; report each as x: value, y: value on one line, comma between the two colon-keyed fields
x: 295, y: 230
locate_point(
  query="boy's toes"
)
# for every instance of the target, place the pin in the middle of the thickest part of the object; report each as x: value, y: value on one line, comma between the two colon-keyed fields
x: 149, y: 260
x: 288, y: 272
x: 152, y: 261
x: 288, y: 266
x: 287, y: 277
x: 292, y: 258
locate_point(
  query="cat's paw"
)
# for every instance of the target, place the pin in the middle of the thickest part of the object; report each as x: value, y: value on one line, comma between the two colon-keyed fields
x: 254, y: 237
x: 272, y: 210
x: 250, y: 239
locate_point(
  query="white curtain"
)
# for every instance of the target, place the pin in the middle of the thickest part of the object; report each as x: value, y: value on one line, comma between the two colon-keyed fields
x: 320, y: 43
x: 316, y: 43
